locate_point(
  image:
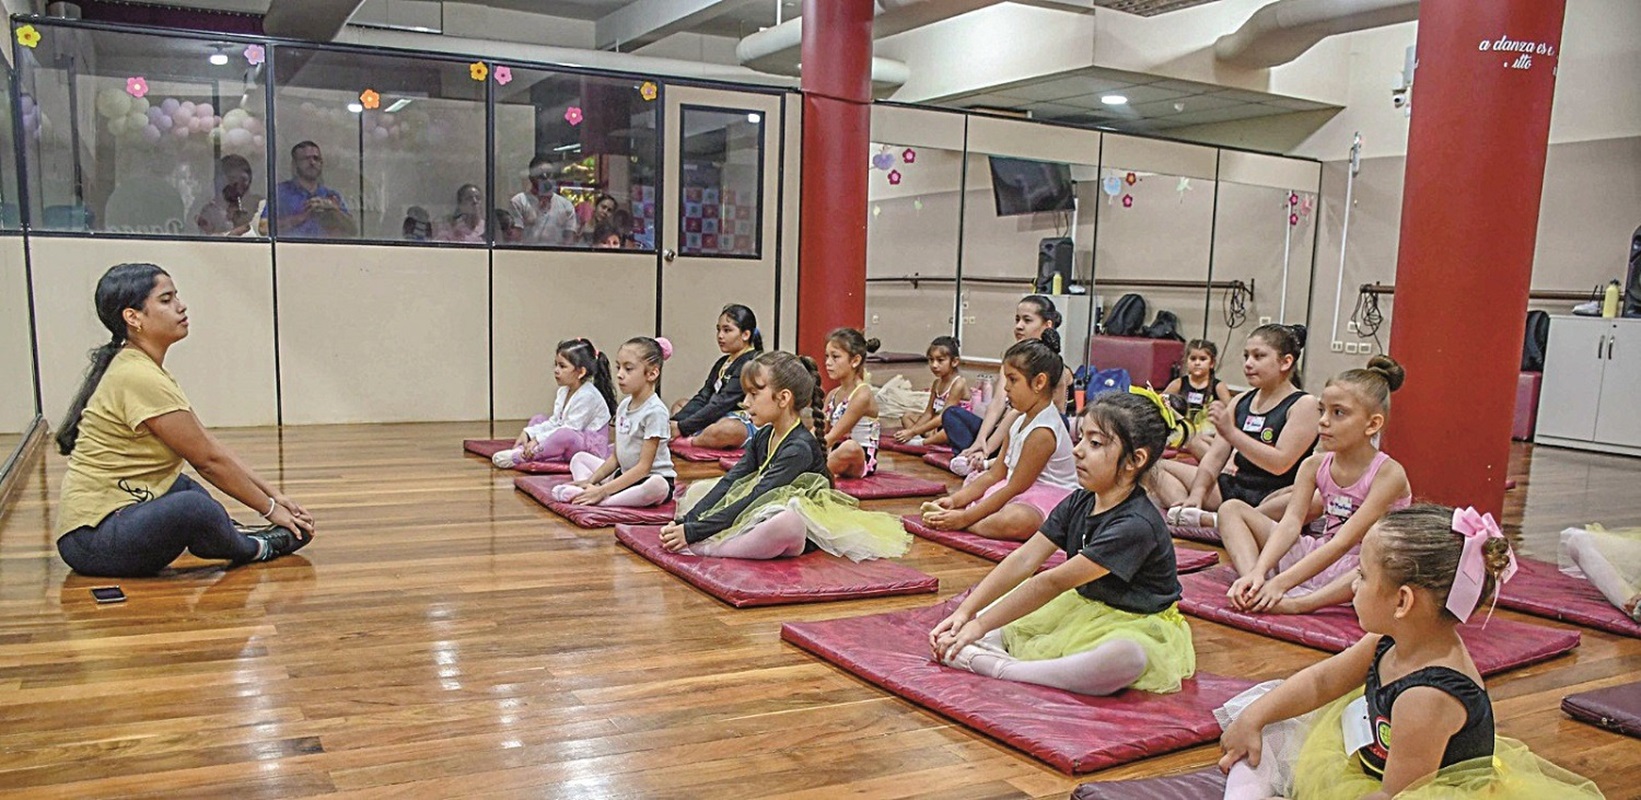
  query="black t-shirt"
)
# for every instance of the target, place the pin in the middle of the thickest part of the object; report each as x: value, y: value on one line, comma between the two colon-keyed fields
x: 1130, y: 541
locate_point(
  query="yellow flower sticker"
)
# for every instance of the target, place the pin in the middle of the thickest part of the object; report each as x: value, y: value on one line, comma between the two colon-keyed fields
x: 27, y: 36
x: 648, y: 90
x: 479, y: 70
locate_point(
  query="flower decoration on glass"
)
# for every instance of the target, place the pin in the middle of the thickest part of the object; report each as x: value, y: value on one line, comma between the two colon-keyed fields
x: 478, y: 70
x: 254, y: 54
x: 136, y: 87
x: 894, y: 177
x: 648, y: 90
x: 909, y: 156
x: 1293, y: 219
x: 370, y: 99
x: 1128, y: 200
x: 1131, y: 179
x: 1293, y: 198
x: 883, y: 161
x: 572, y: 115
x: 28, y: 36
x: 504, y: 74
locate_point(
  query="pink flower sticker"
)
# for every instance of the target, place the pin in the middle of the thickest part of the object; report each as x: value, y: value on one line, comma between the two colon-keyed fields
x: 572, y: 115
x: 1293, y: 219
x: 1131, y: 179
x: 909, y: 156
x: 1293, y: 198
x: 1128, y: 199
x: 894, y: 177
x: 503, y: 74
x: 254, y: 54
x: 136, y: 87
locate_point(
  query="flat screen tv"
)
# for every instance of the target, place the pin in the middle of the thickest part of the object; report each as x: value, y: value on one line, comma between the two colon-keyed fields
x: 1028, y: 187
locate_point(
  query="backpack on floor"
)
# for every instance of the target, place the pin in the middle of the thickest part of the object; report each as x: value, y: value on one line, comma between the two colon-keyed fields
x: 1165, y: 327
x: 1127, y: 316
x: 1533, y: 343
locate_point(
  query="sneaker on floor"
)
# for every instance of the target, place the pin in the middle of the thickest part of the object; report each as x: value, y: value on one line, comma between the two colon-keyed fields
x: 508, y: 459
x: 276, y: 541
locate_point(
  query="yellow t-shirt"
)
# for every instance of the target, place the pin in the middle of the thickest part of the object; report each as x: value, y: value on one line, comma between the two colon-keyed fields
x: 117, y: 461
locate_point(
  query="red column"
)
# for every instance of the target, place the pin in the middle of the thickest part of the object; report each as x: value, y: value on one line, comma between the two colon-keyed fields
x: 837, y: 121
x: 1475, y: 172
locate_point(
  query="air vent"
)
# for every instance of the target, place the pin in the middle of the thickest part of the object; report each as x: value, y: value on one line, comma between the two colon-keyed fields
x: 1149, y: 8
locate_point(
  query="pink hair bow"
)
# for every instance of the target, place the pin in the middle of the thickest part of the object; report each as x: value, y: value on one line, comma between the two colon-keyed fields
x: 1465, y: 595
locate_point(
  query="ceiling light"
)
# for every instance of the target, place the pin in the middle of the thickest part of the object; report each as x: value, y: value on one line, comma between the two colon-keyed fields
x: 1114, y: 99
x: 566, y: 148
x: 355, y: 108
x: 219, y: 59
x: 398, y: 105
x: 754, y: 118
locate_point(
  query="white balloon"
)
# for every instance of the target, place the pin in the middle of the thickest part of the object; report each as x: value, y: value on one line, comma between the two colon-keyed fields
x: 113, y: 103
x: 237, y: 137
x: 235, y: 118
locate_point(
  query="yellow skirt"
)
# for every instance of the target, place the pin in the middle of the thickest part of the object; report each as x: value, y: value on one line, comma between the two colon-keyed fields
x: 1326, y: 771
x: 834, y: 521
x: 1071, y: 624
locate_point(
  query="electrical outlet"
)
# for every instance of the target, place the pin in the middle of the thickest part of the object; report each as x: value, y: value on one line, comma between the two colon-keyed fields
x: 1365, y: 348
x: 1338, y: 347
x: 1264, y: 320
x: 874, y: 319
x: 969, y: 320
x: 1351, y: 326
x: 1353, y: 348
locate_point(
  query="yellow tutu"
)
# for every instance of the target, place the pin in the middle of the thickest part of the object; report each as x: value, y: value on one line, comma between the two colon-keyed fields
x: 1326, y: 771
x: 1072, y: 623
x: 833, y: 520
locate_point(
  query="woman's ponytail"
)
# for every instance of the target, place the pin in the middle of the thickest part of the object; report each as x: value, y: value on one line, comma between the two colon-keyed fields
x: 123, y: 286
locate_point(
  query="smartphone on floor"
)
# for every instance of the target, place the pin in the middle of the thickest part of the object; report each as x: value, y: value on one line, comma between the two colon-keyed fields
x: 108, y: 594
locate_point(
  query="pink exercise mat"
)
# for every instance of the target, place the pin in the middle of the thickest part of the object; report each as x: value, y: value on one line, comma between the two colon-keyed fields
x: 1616, y: 708
x: 540, y: 489
x: 1071, y: 732
x: 1207, y: 783
x: 1185, y: 559
x: 881, y: 485
x: 490, y: 447
x: 1540, y: 589
x: 1502, y: 645
x: 704, y: 455
x: 887, y: 442
x: 814, y: 577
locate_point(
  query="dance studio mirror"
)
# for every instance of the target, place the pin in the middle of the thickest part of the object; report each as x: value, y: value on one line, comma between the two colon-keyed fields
x: 17, y: 395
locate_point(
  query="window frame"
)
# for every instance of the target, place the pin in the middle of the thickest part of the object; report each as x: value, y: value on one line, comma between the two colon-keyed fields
x: 763, y: 165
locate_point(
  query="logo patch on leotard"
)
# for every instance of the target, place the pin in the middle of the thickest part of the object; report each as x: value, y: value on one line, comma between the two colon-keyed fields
x: 1381, y: 736
x: 1267, y: 436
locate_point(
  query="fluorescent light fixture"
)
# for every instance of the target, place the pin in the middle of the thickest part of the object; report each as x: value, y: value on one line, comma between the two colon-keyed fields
x: 754, y: 118
x: 355, y: 108
x: 398, y: 105
x: 566, y: 148
x: 219, y: 59
x: 1114, y: 99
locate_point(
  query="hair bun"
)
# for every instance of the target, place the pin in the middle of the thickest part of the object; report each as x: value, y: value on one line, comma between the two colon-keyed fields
x: 1300, y: 333
x: 1051, y: 338
x: 1388, y: 367
x: 666, y: 347
x: 873, y: 345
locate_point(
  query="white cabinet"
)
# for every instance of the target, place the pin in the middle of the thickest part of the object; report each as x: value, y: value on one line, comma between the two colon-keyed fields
x: 1591, y: 396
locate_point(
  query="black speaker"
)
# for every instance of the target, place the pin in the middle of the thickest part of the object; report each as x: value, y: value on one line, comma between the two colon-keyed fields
x: 1632, y: 286
x: 1054, y: 257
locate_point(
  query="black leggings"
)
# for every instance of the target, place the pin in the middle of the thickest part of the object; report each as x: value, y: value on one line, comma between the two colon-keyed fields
x: 141, y: 539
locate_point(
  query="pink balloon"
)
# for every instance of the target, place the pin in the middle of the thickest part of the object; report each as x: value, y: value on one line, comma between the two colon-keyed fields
x: 253, y: 125
x: 188, y: 106
x: 151, y: 133
x: 180, y: 131
x: 204, y: 110
x: 181, y: 116
x: 258, y: 139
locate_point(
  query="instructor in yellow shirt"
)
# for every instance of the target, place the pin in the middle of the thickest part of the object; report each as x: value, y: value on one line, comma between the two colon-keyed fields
x: 126, y: 509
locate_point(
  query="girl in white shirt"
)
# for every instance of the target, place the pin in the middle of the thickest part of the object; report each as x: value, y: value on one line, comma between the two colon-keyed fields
x: 580, y: 420
x: 640, y: 472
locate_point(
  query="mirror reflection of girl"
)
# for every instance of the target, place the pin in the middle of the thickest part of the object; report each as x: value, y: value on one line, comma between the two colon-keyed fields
x: 1199, y: 387
x: 716, y: 417
x: 778, y: 499
x: 852, y: 430
x: 975, y: 439
x: 949, y: 390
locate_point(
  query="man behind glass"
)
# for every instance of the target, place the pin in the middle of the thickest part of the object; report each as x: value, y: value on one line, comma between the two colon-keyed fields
x: 307, y: 207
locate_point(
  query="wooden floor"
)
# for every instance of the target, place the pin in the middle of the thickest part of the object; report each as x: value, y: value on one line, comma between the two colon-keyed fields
x: 446, y: 637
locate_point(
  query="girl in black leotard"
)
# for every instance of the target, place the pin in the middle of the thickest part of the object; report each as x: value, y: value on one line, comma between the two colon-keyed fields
x: 1403, y: 712
x: 1269, y: 430
x: 1199, y: 387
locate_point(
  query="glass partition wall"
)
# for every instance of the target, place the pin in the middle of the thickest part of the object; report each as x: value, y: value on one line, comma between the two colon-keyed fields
x: 18, y: 408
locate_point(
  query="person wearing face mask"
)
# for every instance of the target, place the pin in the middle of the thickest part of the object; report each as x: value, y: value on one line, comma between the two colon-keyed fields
x: 467, y: 224
x: 544, y: 215
x: 232, y: 210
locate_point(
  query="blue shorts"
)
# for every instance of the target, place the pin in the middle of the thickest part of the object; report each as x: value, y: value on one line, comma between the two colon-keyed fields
x: 745, y: 418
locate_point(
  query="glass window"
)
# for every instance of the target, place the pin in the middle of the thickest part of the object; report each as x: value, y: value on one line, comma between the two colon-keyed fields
x: 379, y: 147
x: 11, y: 211
x: 140, y: 133
x: 720, y: 201
x: 575, y: 160
x: 912, y: 229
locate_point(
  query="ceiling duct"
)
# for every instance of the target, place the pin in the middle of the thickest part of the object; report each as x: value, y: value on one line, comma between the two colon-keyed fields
x: 1285, y: 29
x: 1149, y: 8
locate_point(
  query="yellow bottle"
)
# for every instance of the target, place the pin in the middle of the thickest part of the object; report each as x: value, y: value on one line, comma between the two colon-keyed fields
x: 1609, y: 300
x: 1059, y: 283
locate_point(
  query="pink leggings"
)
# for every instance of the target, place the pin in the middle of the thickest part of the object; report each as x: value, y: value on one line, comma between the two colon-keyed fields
x: 564, y: 442
x: 1107, y: 669
x: 780, y: 536
x: 651, y: 491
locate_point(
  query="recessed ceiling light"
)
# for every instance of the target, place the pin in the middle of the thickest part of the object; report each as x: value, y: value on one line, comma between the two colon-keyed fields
x: 355, y: 108
x: 219, y: 59
x: 1114, y: 99
x: 753, y: 118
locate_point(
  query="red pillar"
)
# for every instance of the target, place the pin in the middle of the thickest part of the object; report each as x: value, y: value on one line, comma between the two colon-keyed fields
x: 837, y: 121
x: 1475, y: 173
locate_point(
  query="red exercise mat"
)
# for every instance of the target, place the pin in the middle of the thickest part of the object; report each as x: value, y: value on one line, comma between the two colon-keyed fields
x: 1185, y: 559
x: 540, y: 489
x: 887, y: 442
x: 939, y: 459
x: 704, y: 455
x: 881, y: 485
x: 814, y: 577
x: 1189, y: 786
x: 1071, y: 732
x: 1193, y: 533
x: 490, y: 447
x: 1616, y: 708
x: 1539, y: 588
x: 1502, y: 645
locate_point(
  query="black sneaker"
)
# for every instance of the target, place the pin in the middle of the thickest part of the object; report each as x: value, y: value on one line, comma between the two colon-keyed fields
x: 276, y: 541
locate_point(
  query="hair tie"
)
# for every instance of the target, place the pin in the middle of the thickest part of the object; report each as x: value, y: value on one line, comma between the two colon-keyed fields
x: 666, y: 347
x: 1465, y: 595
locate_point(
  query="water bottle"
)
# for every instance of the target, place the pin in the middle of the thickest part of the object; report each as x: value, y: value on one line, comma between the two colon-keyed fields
x: 1609, y: 300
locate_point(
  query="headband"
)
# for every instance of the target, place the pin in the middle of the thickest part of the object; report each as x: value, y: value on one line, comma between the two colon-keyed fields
x: 1465, y: 595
